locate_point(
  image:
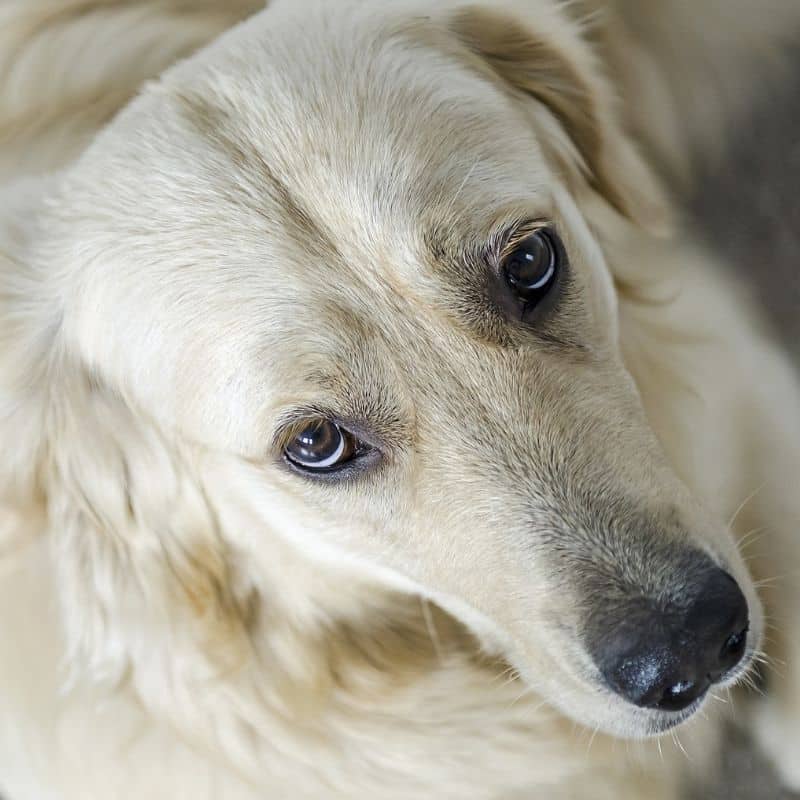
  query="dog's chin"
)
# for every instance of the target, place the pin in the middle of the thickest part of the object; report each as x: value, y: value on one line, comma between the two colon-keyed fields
x: 664, y: 721
x: 622, y: 720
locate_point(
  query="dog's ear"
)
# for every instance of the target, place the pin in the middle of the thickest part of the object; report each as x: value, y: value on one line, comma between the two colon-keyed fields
x: 141, y: 560
x: 550, y: 62
x: 140, y: 551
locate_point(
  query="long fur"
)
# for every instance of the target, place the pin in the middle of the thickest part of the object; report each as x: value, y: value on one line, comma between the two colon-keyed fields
x: 172, y: 631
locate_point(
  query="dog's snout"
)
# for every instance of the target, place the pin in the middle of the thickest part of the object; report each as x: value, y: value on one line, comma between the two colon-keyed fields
x: 666, y: 658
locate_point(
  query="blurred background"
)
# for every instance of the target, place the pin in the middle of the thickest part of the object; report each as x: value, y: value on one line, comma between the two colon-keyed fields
x: 747, y: 207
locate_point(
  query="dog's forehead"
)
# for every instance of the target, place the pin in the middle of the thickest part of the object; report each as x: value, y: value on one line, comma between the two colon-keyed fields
x: 368, y: 129
x: 268, y: 205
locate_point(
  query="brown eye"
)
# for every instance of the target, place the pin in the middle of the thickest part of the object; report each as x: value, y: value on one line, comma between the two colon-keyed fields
x: 321, y: 446
x: 531, y: 268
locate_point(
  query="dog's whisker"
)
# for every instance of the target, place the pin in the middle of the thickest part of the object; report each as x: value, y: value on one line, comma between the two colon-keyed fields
x: 592, y: 738
x: 773, y: 580
x: 752, y: 537
x: 744, y: 502
x: 733, y: 709
x: 768, y: 660
x: 678, y: 742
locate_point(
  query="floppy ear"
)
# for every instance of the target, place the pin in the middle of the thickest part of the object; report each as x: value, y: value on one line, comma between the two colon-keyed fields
x: 554, y: 65
x: 142, y: 563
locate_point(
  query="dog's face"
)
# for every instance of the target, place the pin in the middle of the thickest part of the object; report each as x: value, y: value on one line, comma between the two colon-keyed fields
x: 347, y: 248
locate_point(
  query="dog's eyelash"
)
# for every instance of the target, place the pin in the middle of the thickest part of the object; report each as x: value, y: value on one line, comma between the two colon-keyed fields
x: 509, y: 235
x: 518, y: 233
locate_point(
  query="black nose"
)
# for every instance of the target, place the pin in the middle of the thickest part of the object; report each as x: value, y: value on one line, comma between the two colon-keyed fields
x: 666, y: 658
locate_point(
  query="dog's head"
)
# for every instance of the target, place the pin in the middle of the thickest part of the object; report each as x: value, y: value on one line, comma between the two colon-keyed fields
x: 346, y: 264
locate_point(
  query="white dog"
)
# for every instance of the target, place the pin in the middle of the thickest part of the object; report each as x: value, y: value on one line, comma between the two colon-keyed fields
x: 367, y: 433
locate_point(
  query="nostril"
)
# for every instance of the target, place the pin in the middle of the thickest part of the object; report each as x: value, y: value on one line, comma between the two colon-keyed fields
x: 681, y: 695
x: 718, y: 624
x: 733, y: 648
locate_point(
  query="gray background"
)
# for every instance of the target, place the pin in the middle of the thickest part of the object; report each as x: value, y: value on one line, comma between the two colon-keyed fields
x: 748, y: 205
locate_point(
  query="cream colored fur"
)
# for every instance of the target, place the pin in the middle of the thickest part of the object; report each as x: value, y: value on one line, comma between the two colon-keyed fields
x: 182, y: 618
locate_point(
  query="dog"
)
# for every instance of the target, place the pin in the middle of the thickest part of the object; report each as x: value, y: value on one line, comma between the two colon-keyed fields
x: 372, y: 428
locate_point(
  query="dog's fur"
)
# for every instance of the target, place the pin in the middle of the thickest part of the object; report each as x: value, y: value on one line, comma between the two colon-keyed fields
x: 295, y: 218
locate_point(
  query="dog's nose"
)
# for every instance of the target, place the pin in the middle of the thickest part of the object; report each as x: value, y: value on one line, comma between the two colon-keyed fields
x: 666, y: 658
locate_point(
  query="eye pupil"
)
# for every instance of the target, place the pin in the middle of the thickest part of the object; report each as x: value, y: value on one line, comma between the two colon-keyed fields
x: 320, y: 445
x: 531, y: 267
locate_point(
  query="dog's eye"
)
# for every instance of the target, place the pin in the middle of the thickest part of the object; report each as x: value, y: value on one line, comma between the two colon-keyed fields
x: 531, y: 267
x: 321, y: 446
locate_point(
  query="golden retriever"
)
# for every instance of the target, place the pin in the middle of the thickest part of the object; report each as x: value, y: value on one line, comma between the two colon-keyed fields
x: 370, y: 431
